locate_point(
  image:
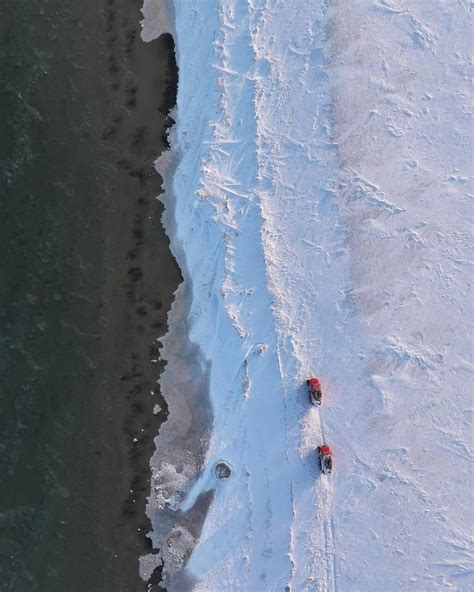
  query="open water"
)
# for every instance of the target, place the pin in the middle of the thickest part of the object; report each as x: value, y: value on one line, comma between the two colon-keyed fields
x: 78, y: 317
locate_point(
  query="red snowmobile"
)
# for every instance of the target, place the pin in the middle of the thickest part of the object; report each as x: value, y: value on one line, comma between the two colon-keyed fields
x: 325, y: 458
x: 314, y: 391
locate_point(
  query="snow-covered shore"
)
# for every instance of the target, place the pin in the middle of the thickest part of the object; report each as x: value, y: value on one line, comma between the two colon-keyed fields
x: 321, y: 217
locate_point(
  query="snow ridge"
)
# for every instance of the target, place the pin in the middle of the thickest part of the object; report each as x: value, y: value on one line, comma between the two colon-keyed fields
x: 253, y: 416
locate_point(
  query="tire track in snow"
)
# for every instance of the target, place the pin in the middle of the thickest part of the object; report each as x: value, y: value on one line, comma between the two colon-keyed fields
x: 322, y: 489
x: 285, y: 395
x: 323, y: 580
x: 329, y: 521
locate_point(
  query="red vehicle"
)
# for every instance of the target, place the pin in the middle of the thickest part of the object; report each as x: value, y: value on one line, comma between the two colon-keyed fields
x: 325, y: 458
x: 314, y: 391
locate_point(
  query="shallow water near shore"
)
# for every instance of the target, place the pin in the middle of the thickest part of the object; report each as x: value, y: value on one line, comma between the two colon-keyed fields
x: 86, y: 280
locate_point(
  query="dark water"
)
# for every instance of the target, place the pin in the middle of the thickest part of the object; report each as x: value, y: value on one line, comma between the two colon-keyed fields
x: 86, y: 280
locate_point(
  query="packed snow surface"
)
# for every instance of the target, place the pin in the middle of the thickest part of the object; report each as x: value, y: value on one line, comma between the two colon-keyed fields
x: 322, y: 205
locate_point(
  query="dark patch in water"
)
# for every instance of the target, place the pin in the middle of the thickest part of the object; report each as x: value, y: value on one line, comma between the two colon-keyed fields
x: 135, y: 274
x: 133, y: 253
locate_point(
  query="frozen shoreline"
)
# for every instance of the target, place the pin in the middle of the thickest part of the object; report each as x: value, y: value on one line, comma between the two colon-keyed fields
x: 182, y: 442
x: 321, y: 240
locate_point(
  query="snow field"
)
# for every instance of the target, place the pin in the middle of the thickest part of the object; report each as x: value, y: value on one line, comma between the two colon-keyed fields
x: 322, y: 217
x: 404, y: 135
